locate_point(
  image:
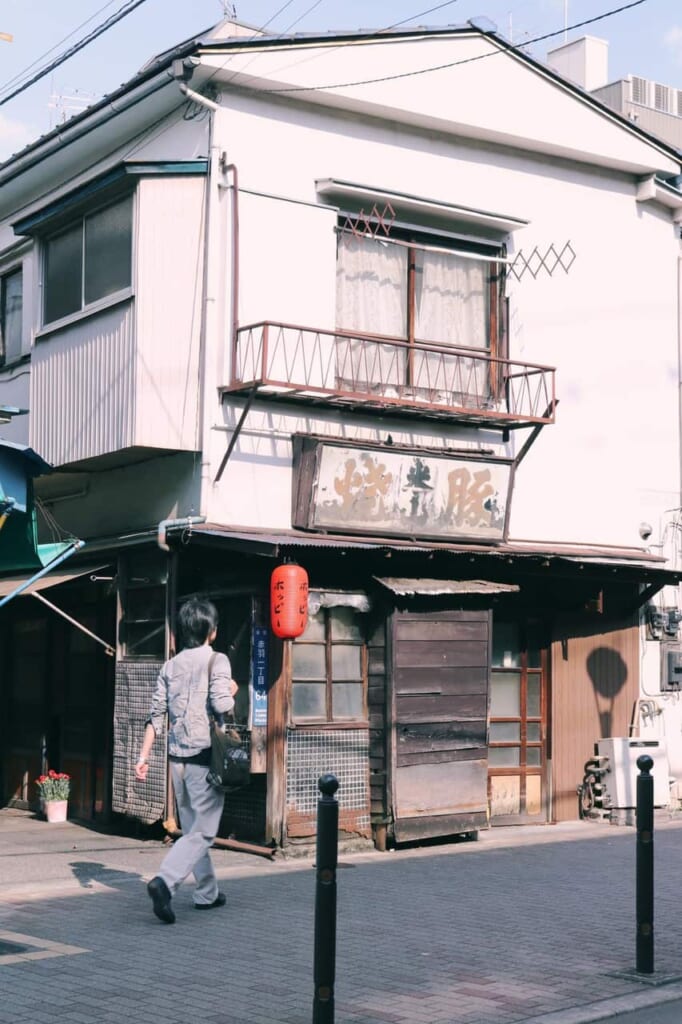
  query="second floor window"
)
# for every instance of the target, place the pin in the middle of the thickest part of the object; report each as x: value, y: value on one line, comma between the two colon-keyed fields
x: 89, y: 260
x: 11, y: 302
x: 420, y: 295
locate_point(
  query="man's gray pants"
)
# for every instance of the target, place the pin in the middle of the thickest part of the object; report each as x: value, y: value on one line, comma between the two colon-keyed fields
x: 200, y: 807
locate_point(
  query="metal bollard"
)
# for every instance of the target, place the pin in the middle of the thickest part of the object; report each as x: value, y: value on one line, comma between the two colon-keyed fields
x: 645, y: 866
x: 325, y: 900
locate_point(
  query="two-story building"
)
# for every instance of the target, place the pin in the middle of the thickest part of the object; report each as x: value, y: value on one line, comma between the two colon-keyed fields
x: 397, y: 307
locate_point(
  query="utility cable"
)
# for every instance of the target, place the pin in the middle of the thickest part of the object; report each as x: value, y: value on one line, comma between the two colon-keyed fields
x: 81, y: 44
x: 455, y: 63
x: 21, y: 74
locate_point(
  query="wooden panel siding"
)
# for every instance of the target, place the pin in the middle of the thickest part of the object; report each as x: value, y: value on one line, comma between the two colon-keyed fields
x: 439, y: 705
x: 595, y: 684
x: 376, y: 705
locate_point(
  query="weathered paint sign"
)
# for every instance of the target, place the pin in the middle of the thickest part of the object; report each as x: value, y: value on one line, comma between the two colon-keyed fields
x: 259, y: 707
x: 410, y: 493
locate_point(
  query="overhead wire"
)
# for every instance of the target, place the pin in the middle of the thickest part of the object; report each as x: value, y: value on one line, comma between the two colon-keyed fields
x: 455, y: 63
x: 123, y: 12
x: 21, y: 74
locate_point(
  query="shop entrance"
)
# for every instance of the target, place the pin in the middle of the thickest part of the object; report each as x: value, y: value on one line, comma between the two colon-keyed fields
x: 517, y: 753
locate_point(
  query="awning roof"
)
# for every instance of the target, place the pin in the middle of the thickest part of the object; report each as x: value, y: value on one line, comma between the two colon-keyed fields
x: 50, y: 579
x: 634, y: 562
x: 405, y: 587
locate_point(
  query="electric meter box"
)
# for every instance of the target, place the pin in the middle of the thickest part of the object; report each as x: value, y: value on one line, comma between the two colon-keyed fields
x: 620, y: 781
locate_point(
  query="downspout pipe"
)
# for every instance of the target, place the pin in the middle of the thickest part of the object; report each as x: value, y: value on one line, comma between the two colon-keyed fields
x: 175, y: 524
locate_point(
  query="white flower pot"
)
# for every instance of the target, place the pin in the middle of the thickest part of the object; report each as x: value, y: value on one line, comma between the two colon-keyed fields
x: 56, y: 810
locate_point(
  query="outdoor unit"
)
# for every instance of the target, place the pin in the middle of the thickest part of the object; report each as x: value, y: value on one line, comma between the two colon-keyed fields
x: 620, y: 781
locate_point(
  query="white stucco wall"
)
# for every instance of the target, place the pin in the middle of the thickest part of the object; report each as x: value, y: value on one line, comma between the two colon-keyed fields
x: 609, y: 326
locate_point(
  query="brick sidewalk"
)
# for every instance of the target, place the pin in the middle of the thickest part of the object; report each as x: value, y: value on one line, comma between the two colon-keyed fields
x: 473, y: 933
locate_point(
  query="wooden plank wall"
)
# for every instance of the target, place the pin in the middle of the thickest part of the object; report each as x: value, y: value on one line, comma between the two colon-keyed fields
x: 595, y: 684
x: 378, y: 725
x: 440, y: 690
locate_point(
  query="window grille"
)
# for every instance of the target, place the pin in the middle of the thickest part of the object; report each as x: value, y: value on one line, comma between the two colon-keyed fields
x: 662, y: 97
x: 640, y: 90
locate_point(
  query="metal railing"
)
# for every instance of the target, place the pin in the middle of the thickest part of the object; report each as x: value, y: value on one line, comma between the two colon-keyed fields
x: 341, y: 366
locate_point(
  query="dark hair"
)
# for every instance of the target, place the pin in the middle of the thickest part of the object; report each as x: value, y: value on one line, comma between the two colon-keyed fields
x: 197, y: 620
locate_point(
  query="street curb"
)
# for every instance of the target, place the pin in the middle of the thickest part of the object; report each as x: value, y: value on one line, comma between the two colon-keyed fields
x: 605, y: 1009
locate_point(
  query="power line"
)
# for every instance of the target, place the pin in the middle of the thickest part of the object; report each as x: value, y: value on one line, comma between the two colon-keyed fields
x: 457, y: 63
x: 127, y: 8
x: 47, y: 53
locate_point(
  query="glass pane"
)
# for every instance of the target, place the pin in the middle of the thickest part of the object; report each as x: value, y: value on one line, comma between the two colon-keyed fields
x: 347, y: 700
x: 314, y: 629
x: 145, y: 603
x: 533, y: 732
x: 308, y: 700
x: 309, y: 661
x: 504, y: 757
x: 452, y: 301
x: 346, y: 662
x: 506, y: 645
x: 108, y: 250
x: 505, y: 695
x: 533, y: 756
x: 346, y: 624
x: 533, y: 700
x: 145, y: 640
x: 10, y: 321
x: 505, y: 732
x: 371, y: 289
x: 63, y: 273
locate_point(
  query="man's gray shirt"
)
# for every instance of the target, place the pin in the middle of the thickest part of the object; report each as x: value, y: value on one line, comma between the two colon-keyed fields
x: 183, y: 690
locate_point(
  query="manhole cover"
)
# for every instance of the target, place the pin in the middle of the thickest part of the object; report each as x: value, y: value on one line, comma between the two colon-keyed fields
x: 11, y: 948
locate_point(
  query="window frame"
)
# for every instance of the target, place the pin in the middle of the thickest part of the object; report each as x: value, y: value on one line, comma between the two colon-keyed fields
x: 80, y: 221
x: 418, y: 240
x: 5, y: 274
x: 328, y: 721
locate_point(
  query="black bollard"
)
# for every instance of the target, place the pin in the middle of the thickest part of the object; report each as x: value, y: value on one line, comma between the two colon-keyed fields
x: 645, y: 866
x: 325, y: 900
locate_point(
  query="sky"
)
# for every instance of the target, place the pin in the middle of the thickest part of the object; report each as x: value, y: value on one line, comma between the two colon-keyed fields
x: 645, y: 40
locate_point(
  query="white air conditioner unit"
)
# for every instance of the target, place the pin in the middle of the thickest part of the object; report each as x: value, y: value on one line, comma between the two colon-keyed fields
x: 662, y: 97
x: 640, y: 90
x: 620, y: 781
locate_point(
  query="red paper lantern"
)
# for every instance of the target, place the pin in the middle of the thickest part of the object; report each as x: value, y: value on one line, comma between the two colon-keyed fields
x: 288, y: 601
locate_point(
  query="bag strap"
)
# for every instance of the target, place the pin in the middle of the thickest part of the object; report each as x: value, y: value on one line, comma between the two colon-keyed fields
x: 211, y: 662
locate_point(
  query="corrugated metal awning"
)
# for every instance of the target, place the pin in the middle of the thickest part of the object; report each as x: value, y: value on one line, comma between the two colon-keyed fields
x: 405, y: 587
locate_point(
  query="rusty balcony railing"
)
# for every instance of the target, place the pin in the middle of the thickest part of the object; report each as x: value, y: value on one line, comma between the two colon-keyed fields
x: 341, y: 367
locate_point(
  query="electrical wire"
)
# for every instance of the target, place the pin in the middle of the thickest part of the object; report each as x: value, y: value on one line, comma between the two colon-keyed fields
x: 21, y: 74
x: 127, y: 9
x: 455, y: 63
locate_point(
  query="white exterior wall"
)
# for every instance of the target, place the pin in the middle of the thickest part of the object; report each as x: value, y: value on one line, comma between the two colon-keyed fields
x: 169, y: 245
x: 609, y: 325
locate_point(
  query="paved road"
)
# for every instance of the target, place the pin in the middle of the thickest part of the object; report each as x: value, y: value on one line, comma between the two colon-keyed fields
x: 524, y: 926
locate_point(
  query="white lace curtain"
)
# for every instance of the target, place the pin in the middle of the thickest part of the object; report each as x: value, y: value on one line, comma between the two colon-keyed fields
x: 451, y: 308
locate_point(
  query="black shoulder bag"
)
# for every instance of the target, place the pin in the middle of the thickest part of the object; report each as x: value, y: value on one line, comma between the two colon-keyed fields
x: 230, y: 762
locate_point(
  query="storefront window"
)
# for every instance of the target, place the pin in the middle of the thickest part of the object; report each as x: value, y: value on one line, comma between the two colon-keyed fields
x: 330, y: 668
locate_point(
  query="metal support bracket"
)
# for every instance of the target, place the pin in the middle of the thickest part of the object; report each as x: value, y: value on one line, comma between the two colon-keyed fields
x: 74, y: 622
x: 534, y: 433
x: 236, y: 432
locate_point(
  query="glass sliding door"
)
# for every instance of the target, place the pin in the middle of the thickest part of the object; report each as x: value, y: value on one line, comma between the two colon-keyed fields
x: 517, y: 753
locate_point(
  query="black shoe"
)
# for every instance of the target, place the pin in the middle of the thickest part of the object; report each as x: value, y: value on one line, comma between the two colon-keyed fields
x: 219, y: 901
x: 161, y: 900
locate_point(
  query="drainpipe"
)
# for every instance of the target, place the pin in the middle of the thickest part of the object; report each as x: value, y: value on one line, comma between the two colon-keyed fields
x: 209, y: 337
x: 171, y: 524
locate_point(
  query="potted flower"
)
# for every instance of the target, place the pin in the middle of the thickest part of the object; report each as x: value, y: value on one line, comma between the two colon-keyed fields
x: 54, y: 794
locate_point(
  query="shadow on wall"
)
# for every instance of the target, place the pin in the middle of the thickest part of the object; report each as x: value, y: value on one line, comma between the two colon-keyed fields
x: 608, y: 674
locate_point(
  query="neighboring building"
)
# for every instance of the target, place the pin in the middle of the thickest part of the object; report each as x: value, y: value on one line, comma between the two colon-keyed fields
x: 654, y: 107
x: 318, y: 298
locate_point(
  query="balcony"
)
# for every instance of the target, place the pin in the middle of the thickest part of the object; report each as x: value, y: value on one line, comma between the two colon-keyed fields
x: 372, y: 372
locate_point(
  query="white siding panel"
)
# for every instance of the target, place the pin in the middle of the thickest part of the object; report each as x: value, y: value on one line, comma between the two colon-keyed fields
x: 169, y: 248
x: 82, y: 388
